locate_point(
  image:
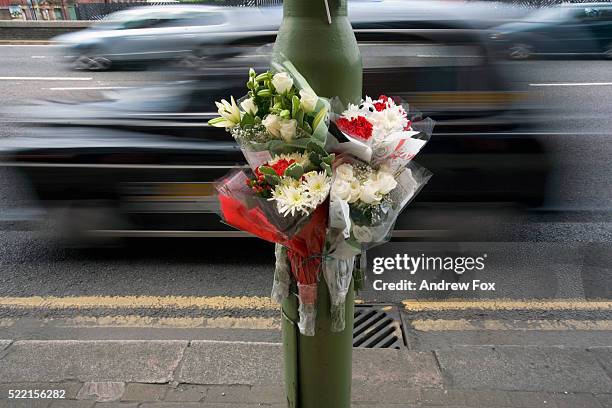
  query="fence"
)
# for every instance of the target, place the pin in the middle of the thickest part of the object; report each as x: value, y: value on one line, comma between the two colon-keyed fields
x: 96, y: 11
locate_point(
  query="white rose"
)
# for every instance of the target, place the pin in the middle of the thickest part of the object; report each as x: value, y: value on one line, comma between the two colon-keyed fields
x: 369, y: 192
x: 340, y: 190
x: 282, y: 82
x: 362, y: 234
x: 288, y: 128
x: 308, y: 100
x: 249, y: 106
x: 355, y: 191
x: 272, y: 124
x: 385, y: 182
x: 345, y: 172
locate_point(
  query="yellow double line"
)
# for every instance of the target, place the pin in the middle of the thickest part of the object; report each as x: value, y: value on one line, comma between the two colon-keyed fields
x: 265, y: 303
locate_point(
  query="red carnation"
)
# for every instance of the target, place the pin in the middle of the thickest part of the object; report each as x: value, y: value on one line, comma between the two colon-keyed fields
x: 281, y: 165
x: 358, y: 127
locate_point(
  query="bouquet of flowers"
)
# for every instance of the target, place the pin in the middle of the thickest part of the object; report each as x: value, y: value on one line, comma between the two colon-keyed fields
x: 323, y: 202
x: 381, y: 131
x: 373, y: 180
x: 282, y: 198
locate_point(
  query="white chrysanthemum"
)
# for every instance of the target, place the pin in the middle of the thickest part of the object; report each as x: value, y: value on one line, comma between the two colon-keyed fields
x: 351, y: 112
x: 290, y: 200
x: 390, y: 120
x: 317, y: 184
x: 300, y: 158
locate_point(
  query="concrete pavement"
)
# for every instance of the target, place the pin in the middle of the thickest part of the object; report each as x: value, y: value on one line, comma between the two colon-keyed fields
x: 209, y: 374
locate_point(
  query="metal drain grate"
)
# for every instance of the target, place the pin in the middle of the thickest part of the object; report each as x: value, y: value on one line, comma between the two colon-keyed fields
x: 377, y: 326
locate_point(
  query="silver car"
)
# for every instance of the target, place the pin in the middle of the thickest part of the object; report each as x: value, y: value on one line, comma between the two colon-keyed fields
x: 189, y: 35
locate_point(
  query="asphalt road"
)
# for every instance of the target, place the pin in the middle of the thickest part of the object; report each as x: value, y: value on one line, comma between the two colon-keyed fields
x: 564, y: 255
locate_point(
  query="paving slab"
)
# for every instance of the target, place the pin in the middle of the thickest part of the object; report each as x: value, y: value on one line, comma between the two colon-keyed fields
x: 125, y: 361
x: 210, y: 362
x: 523, y: 369
x: 604, y: 355
x: 4, y: 344
x: 395, y: 367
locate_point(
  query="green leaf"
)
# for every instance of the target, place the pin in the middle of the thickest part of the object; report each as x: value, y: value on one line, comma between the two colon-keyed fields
x: 247, y: 119
x: 267, y: 171
x: 272, y: 179
x: 328, y: 159
x: 307, y: 128
x: 295, y: 106
x: 314, y: 147
x: 285, y: 114
x: 315, y: 158
x: 327, y: 168
x: 300, y: 117
x: 320, y: 116
x: 294, y: 171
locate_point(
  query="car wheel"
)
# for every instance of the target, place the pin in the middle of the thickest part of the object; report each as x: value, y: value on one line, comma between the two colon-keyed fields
x: 608, y: 52
x: 92, y: 63
x: 519, y: 51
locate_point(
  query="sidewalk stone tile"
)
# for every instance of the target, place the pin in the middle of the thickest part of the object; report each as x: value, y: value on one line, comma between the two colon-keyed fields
x: 101, y: 391
x: 144, y: 392
x: 231, y: 363
x: 522, y: 399
x: 399, y: 367
x: 605, y: 400
x: 124, y: 360
x: 71, y: 404
x: 229, y: 393
x: 6, y: 403
x: 186, y: 393
x: 116, y: 405
x: 604, y: 355
x: 4, y: 344
x: 487, y: 399
x: 576, y: 400
x: 70, y: 387
x: 385, y: 394
x: 524, y: 368
x: 433, y: 397
x: 269, y: 394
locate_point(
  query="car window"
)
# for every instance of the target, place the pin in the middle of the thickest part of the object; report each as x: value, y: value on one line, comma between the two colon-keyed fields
x: 197, y: 19
x: 143, y: 23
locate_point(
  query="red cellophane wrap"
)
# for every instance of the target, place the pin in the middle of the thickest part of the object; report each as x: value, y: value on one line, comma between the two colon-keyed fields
x: 242, y: 210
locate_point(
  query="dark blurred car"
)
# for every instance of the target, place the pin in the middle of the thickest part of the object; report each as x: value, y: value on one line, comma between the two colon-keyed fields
x: 568, y: 29
x: 143, y: 162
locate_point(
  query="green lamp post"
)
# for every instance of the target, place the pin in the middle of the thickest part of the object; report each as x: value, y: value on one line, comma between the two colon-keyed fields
x: 316, y: 36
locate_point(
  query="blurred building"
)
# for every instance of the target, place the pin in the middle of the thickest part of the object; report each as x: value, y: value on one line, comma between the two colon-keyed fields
x: 95, y: 9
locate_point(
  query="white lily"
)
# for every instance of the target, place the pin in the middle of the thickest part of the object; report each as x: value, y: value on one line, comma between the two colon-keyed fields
x: 229, y: 112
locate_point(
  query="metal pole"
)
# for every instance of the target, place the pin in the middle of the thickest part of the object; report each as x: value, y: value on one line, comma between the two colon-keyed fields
x: 318, y: 370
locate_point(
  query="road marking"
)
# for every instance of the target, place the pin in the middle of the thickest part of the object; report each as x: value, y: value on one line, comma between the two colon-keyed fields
x: 39, y: 56
x: 512, y: 325
x: 82, y: 88
x: 575, y: 84
x: 45, y: 78
x: 139, y: 302
x: 505, y: 304
x: 135, y: 321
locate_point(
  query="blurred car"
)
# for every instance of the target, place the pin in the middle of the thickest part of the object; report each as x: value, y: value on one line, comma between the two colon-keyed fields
x: 143, y: 162
x: 184, y: 34
x: 567, y: 29
x: 195, y: 36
